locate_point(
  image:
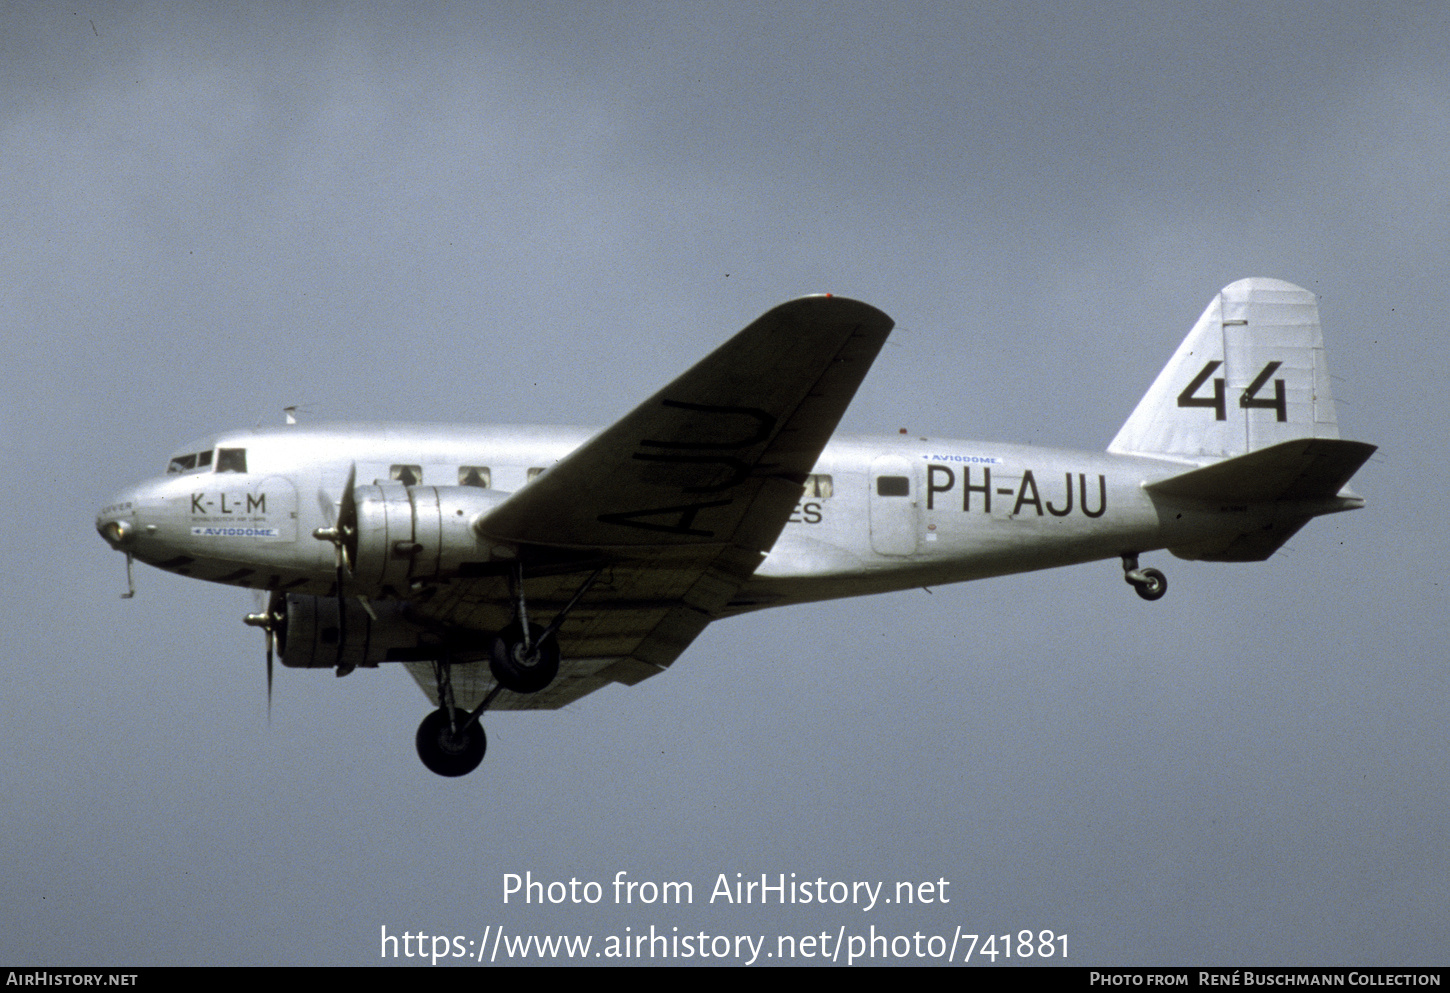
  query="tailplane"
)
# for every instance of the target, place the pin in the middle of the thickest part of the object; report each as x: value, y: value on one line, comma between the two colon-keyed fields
x: 1251, y: 374
x: 1286, y: 485
x: 1313, y: 471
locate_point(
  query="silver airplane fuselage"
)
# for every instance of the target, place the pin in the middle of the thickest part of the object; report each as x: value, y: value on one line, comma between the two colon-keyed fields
x: 948, y: 511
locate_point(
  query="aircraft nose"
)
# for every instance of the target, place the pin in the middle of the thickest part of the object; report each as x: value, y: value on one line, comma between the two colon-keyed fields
x: 116, y: 521
x: 118, y: 534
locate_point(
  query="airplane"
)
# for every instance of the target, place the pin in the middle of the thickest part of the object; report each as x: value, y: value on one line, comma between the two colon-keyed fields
x: 518, y: 568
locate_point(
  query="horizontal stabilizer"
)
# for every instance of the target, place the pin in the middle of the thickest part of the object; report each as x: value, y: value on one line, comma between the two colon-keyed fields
x: 1303, y: 469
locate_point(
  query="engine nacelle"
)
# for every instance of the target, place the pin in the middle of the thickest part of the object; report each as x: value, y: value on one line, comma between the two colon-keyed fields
x: 407, y: 535
x: 311, y: 638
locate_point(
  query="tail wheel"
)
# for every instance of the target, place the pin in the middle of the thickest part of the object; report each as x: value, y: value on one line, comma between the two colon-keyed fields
x: 1153, y: 585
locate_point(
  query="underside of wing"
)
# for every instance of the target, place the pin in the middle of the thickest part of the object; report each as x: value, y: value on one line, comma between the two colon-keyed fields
x: 577, y: 678
x: 637, y: 618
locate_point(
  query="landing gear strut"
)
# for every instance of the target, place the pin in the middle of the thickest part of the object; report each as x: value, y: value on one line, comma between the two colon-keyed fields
x: 450, y: 740
x: 1150, y: 584
x: 524, y: 659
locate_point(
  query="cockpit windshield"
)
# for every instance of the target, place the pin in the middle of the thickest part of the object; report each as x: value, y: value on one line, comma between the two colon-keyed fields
x: 189, y: 462
x: 227, y: 460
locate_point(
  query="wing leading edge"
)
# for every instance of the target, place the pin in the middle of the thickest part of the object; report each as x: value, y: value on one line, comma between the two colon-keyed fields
x: 680, y: 499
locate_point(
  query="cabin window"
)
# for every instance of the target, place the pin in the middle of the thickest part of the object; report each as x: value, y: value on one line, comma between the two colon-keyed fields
x: 818, y: 487
x: 535, y: 473
x: 408, y: 475
x: 893, y: 486
x: 231, y: 460
x: 475, y: 475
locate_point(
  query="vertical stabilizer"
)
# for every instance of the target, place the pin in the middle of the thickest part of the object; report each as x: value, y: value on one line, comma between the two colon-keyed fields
x: 1250, y: 374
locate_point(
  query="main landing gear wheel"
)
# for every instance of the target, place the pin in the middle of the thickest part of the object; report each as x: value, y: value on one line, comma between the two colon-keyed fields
x: 448, y: 752
x: 521, y: 668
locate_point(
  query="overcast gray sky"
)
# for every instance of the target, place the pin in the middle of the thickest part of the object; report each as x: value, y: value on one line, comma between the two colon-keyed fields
x: 542, y: 212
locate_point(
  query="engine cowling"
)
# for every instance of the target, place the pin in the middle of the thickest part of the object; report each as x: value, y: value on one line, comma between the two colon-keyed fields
x: 311, y: 636
x: 407, y: 535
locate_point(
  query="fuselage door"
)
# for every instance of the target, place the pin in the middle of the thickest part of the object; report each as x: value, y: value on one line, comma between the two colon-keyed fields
x: 893, y: 505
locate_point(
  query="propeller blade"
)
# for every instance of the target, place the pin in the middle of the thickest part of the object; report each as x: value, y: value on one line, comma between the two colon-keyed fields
x: 273, y: 621
x: 343, y: 532
x: 328, y: 508
x: 347, y: 519
x: 343, y: 535
x: 341, y: 605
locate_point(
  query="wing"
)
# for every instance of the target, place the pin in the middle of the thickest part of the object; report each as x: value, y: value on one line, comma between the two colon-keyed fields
x: 719, y: 455
x: 679, y: 501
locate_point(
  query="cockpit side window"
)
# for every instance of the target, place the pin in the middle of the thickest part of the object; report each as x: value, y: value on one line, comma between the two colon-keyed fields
x: 203, y: 459
x: 231, y: 460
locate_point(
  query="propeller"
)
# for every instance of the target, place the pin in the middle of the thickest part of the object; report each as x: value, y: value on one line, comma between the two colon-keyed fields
x: 343, y: 535
x: 272, y: 620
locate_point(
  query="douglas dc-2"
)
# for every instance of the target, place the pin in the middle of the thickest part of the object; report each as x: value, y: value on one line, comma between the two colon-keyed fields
x: 525, y: 567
